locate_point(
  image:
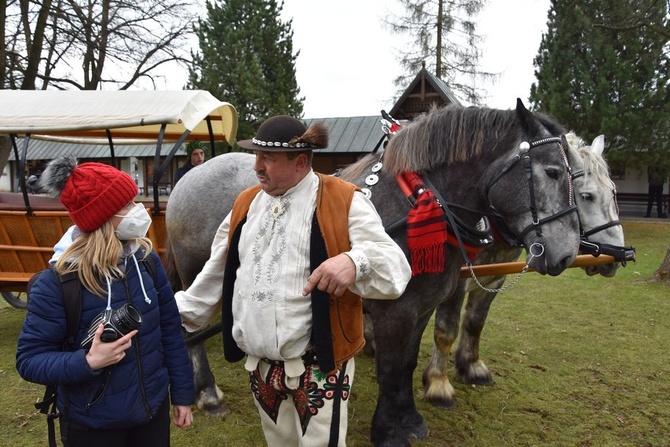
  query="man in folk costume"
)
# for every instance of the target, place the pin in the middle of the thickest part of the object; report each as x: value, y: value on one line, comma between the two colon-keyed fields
x: 288, y: 267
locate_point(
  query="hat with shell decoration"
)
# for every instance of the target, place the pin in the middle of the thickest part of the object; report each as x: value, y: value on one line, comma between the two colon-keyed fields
x: 284, y: 133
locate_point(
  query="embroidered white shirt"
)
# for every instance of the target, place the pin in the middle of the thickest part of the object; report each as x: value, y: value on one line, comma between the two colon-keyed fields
x: 271, y: 317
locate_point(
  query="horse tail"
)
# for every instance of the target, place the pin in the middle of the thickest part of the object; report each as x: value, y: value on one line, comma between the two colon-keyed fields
x: 171, y: 266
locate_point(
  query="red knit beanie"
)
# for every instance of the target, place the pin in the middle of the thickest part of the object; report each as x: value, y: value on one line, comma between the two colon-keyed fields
x: 95, y: 192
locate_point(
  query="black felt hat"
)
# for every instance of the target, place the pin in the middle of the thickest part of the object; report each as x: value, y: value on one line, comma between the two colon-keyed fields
x: 284, y: 133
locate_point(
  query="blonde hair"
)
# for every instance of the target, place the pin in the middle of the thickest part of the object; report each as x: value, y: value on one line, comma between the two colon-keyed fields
x: 95, y: 255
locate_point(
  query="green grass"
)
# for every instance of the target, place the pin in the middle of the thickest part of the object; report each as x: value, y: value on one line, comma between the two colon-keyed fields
x: 577, y: 361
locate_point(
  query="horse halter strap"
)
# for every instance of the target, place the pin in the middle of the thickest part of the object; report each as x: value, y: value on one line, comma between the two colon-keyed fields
x: 619, y: 253
x: 524, y: 155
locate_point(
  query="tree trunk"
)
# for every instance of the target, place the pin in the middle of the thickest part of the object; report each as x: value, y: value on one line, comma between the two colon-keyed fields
x: 663, y: 272
x: 5, y: 149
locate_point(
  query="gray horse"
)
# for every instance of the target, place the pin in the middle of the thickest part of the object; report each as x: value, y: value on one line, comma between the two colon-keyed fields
x: 474, y: 160
x: 595, y: 196
x: 197, y: 206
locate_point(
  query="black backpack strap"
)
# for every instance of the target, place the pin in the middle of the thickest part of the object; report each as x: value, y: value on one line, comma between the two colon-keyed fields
x: 70, y: 287
x: 150, y: 266
x: 71, y: 294
x: 48, y: 407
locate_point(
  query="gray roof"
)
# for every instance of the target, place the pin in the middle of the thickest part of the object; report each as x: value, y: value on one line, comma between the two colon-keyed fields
x: 48, y: 150
x: 357, y: 134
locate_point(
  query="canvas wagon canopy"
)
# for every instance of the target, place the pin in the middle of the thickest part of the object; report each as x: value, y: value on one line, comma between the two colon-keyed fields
x: 124, y: 116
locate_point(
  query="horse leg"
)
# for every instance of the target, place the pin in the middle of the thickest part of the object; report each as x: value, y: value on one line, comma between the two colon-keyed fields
x: 437, y: 390
x: 469, y: 368
x: 369, y: 334
x: 411, y: 422
x: 209, y: 397
x: 396, y: 419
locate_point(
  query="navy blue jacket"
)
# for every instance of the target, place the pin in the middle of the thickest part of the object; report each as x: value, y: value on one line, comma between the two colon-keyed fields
x: 128, y: 393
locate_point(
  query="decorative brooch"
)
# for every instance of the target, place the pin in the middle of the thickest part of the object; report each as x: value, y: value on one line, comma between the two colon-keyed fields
x: 277, y: 208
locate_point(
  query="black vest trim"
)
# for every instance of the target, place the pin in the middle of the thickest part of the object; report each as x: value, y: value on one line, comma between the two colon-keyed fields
x: 321, y: 331
x: 231, y: 351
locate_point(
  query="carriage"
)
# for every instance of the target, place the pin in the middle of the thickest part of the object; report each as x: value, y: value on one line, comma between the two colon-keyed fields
x: 30, y: 224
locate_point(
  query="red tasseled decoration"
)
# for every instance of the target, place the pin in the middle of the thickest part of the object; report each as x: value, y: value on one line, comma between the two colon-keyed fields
x: 426, y: 229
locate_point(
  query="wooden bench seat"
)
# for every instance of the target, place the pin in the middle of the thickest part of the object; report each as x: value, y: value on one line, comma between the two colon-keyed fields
x: 14, y: 277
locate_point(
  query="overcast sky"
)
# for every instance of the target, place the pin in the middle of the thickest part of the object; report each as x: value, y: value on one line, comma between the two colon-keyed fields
x: 347, y: 61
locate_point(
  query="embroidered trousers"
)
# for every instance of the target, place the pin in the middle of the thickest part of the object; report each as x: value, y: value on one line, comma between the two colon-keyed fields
x: 306, y: 411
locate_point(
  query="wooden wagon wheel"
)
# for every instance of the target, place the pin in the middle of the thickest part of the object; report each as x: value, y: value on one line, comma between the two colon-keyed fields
x: 15, y: 300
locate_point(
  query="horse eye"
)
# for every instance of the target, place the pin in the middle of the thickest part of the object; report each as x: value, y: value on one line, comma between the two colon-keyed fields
x: 553, y: 173
x: 586, y: 197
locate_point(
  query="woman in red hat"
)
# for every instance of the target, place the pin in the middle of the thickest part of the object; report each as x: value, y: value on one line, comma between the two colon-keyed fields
x: 116, y: 380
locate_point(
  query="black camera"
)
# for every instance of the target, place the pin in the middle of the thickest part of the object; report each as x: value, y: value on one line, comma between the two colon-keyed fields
x: 117, y: 324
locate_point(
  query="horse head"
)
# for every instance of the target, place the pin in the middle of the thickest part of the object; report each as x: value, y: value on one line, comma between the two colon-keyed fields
x: 510, y: 161
x: 595, y: 195
x: 533, y: 193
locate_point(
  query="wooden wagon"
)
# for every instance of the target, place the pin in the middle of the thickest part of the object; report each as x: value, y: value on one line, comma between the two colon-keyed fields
x: 30, y: 225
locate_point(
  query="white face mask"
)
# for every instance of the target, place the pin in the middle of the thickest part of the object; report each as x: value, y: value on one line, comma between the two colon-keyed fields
x: 134, y: 224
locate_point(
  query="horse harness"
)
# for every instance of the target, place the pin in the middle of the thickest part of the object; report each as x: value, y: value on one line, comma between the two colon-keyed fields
x: 472, y: 240
x: 524, y: 156
x: 619, y: 253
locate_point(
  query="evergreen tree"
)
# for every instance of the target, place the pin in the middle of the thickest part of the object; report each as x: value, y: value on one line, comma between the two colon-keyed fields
x: 246, y: 58
x: 444, y: 39
x: 596, y: 76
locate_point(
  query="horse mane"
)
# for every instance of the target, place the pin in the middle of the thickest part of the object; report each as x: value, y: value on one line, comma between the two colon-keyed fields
x: 594, y: 165
x: 355, y: 170
x: 447, y: 135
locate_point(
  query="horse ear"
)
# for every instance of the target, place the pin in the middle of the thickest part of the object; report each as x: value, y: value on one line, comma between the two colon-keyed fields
x: 598, y: 145
x: 574, y: 159
x: 528, y: 121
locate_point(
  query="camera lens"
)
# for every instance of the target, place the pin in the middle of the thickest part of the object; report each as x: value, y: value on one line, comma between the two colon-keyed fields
x: 126, y: 318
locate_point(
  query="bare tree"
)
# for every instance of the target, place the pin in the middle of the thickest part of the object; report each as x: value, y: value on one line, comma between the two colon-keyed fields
x: 91, y: 44
x: 444, y: 39
x: 95, y: 44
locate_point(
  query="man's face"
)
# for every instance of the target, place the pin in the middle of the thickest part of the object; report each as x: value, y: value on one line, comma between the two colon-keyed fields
x: 197, y: 157
x: 276, y: 172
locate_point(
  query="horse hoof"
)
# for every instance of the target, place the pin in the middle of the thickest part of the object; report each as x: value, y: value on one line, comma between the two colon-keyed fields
x: 215, y: 409
x: 416, y: 433
x: 474, y: 374
x: 445, y: 404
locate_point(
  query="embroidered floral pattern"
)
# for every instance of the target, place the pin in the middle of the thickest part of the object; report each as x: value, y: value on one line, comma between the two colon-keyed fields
x: 363, y: 265
x: 315, y: 389
x: 262, y: 296
x: 269, y: 246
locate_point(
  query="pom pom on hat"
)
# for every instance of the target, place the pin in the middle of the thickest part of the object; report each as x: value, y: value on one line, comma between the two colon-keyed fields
x: 92, y: 192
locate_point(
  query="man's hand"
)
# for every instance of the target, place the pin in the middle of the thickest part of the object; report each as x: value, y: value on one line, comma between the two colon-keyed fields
x: 334, y: 276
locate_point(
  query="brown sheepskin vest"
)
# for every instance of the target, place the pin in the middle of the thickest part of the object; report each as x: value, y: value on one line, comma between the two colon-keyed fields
x: 337, y: 322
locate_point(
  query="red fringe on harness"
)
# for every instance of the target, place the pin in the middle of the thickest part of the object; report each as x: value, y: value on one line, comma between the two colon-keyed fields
x: 426, y: 228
